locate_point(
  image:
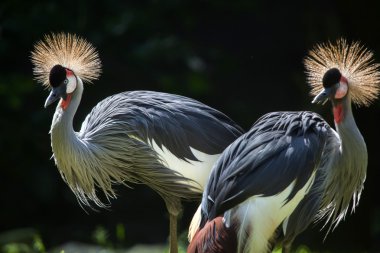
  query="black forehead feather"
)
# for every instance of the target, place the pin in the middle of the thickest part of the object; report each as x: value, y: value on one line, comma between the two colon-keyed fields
x: 331, y: 77
x: 57, y: 75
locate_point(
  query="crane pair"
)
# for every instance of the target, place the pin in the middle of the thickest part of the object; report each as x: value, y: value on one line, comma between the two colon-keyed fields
x: 259, y: 188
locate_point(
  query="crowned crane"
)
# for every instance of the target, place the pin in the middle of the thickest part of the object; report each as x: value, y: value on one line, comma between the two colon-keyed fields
x: 291, y: 168
x: 168, y: 142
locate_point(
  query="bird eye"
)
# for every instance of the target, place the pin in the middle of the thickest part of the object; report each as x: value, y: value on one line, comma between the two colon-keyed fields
x: 66, y: 81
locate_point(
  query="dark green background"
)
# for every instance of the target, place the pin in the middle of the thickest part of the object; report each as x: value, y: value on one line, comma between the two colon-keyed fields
x: 241, y: 57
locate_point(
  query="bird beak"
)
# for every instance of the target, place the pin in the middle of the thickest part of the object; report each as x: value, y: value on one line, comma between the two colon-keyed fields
x: 323, y: 96
x: 55, y: 94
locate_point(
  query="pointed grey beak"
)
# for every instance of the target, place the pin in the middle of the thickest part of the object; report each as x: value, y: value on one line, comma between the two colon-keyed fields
x: 55, y: 94
x: 323, y: 96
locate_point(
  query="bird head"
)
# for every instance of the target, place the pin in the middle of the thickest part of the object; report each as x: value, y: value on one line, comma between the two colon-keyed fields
x: 63, y: 82
x: 335, y: 86
x: 341, y: 70
x: 61, y: 61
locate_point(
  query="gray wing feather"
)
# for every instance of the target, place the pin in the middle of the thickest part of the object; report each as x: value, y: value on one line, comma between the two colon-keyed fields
x: 280, y: 148
x: 305, y: 212
x: 173, y: 121
x: 308, y: 209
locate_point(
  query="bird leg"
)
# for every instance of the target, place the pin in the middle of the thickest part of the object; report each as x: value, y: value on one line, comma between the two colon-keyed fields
x: 173, y: 234
x: 174, y: 208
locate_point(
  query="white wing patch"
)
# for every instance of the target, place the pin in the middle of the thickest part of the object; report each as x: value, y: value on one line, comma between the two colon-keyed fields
x: 198, y: 171
x: 262, y: 215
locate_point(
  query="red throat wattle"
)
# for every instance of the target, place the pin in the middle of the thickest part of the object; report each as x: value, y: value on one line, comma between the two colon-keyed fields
x: 338, y: 113
x: 65, y: 103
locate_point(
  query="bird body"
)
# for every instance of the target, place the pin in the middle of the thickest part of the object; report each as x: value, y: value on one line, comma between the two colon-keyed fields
x: 291, y: 168
x: 131, y: 129
x: 255, y: 185
x: 166, y: 141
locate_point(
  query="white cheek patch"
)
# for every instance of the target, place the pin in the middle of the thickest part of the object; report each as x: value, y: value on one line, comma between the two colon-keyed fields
x: 341, y: 91
x: 72, y: 84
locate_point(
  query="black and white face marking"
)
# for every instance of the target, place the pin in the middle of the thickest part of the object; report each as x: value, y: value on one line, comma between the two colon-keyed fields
x: 71, y: 81
x: 335, y: 86
x: 63, y: 83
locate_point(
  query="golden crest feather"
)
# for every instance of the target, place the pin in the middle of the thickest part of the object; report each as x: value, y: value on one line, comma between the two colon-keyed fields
x: 68, y: 50
x: 353, y: 60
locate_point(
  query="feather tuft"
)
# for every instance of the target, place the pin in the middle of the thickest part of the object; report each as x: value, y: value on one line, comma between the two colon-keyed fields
x: 70, y: 51
x: 354, y: 61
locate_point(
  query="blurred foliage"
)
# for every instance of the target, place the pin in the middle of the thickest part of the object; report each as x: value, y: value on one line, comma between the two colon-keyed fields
x: 120, y: 233
x: 242, y: 57
x: 21, y: 241
x: 100, y: 236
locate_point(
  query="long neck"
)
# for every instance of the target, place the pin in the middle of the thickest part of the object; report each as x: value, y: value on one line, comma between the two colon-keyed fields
x: 64, y: 140
x: 353, y: 150
x: 62, y: 125
x: 70, y: 153
x: 345, y: 178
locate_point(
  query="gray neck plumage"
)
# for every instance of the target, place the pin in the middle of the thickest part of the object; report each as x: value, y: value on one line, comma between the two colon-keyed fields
x: 353, y: 150
x: 353, y: 147
x: 68, y: 147
x: 347, y: 173
x: 62, y: 125
x: 71, y: 154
